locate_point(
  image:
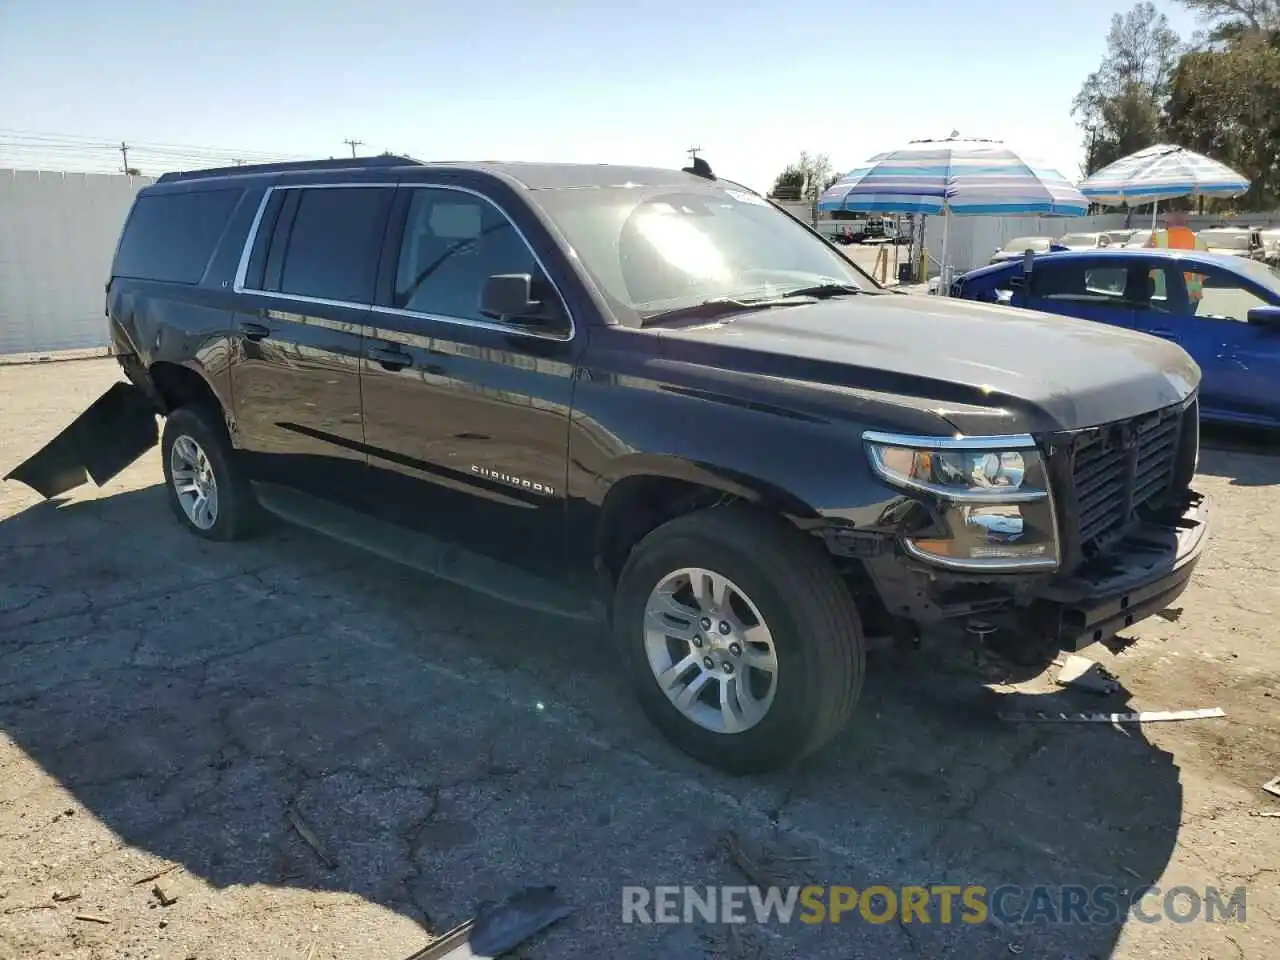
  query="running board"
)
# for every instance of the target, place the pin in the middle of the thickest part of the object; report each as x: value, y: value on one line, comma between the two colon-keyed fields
x: 429, y: 555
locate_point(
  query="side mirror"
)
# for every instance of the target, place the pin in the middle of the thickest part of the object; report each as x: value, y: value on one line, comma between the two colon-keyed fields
x: 510, y: 297
x: 1265, y: 317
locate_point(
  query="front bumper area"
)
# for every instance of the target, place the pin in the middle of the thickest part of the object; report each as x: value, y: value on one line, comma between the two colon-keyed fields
x: 1142, y: 575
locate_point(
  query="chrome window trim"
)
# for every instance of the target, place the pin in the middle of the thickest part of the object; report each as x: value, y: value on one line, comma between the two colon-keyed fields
x: 246, y: 252
x: 1013, y: 441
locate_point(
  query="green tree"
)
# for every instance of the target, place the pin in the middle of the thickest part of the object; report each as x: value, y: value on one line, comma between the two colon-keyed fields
x: 805, y: 179
x: 1119, y: 104
x: 1226, y: 103
x: 1231, y: 19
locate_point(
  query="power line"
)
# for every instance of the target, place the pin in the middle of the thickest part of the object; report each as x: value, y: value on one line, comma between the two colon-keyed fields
x: 353, y: 144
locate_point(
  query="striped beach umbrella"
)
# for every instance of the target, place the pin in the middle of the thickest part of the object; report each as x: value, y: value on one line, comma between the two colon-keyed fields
x: 1162, y: 172
x: 973, y: 177
x: 955, y: 176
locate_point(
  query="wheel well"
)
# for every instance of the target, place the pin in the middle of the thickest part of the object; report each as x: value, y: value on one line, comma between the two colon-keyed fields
x: 636, y: 506
x: 639, y: 505
x: 180, y: 386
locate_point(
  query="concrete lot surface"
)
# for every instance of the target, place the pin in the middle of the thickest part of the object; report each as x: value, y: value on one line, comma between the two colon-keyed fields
x: 163, y: 702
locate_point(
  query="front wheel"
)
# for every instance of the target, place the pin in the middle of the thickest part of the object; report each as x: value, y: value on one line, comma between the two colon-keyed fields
x: 739, y: 638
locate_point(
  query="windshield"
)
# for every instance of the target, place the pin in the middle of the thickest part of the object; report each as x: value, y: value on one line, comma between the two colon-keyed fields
x: 656, y: 249
x: 1138, y: 238
x: 1038, y: 244
x: 1079, y: 240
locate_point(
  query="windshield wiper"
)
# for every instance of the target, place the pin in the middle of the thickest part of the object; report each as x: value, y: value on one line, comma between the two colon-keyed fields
x: 822, y: 291
x: 720, y: 306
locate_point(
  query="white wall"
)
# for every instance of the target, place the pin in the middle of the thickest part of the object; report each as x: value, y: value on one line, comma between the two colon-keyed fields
x: 58, y: 233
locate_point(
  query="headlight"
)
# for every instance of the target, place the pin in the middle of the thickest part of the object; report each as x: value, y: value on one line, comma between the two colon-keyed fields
x: 992, y: 493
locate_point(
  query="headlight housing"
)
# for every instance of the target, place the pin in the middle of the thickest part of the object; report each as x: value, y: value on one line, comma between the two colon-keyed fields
x: 992, y: 494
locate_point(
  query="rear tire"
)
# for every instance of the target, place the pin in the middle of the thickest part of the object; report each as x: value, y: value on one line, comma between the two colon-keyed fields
x: 792, y: 684
x: 207, y: 487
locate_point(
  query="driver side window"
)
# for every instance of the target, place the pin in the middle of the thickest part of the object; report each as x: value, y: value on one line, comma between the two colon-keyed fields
x: 452, y: 242
x: 1224, y: 296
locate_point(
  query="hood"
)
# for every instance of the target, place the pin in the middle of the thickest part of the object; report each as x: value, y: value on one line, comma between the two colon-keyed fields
x: 985, y: 369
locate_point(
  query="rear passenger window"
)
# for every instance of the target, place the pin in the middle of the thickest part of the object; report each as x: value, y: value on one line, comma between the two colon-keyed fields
x: 330, y: 248
x: 1079, y: 283
x: 452, y: 242
x: 172, y: 236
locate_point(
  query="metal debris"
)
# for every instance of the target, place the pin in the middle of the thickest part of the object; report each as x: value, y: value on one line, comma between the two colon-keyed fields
x: 305, y: 832
x: 65, y: 897
x: 1081, y: 673
x: 499, y: 927
x: 1272, y: 786
x: 1265, y: 813
x: 1145, y: 716
x: 91, y: 918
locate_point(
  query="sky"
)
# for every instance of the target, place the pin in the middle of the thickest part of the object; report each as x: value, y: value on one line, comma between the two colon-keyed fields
x: 578, y: 81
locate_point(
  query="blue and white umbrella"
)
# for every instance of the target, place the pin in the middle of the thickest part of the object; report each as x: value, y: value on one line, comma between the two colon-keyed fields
x: 955, y: 176
x: 974, y: 177
x: 1160, y: 173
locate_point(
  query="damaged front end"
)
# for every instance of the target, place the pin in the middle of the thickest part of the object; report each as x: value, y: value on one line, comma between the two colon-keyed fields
x: 118, y: 428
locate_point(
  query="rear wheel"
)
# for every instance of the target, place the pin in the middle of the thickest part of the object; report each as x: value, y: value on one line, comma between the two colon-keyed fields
x: 739, y: 638
x: 207, y: 488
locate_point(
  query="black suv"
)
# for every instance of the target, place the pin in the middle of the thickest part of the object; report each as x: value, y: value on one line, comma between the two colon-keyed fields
x: 654, y: 383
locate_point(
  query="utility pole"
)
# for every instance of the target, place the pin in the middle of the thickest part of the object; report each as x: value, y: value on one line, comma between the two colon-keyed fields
x: 693, y: 153
x: 124, y: 153
x: 353, y: 144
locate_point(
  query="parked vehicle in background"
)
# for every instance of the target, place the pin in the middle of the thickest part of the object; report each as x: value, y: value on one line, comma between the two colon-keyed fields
x: 1018, y: 246
x: 1270, y: 238
x: 1084, y: 241
x: 1120, y: 237
x: 1232, y: 331
x: 1138, y: 238
x: 655, y: 392
x: 1233, y: 241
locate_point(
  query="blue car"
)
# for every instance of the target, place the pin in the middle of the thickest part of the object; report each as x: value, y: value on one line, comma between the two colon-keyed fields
x: 1232, y: 331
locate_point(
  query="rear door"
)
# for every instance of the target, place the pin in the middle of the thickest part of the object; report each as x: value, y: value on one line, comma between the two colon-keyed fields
x: 467, y: 417
x: 307, y: 280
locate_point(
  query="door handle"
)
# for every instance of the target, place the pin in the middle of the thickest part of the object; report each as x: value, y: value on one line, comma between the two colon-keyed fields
x: 391, y: 358
x: 254, y: 331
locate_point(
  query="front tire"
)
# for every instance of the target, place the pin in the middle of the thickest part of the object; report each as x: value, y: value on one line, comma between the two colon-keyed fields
x: 740, y: 640
x: 207, y: 487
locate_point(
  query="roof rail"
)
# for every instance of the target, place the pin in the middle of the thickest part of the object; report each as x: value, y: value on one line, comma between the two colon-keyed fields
x: 350, y: 163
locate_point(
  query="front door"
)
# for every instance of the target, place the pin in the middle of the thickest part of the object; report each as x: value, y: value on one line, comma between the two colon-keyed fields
x: 1240, y: 361
x: 466, y: 417
x: 306, y: 289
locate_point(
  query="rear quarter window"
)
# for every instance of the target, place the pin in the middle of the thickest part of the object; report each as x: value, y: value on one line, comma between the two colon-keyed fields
x: 172, y: 236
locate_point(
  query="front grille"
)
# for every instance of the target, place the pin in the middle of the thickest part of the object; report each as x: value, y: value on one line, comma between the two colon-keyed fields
x: 1120, y: 468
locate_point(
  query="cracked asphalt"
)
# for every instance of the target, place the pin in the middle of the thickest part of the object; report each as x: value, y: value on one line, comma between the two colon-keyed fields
x: 164, y: 701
